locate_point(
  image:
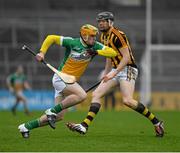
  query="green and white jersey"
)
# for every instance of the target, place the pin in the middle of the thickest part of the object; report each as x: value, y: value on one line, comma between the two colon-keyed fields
x: 17, y: 81
x: 76, y: 59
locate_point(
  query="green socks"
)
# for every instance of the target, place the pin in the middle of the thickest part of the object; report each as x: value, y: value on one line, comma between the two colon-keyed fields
x: 32, y: 124
x: 36, y: 123
x: 56, y: 109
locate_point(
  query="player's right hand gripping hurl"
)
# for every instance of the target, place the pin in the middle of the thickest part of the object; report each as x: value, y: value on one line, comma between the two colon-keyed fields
x: 40, y: 56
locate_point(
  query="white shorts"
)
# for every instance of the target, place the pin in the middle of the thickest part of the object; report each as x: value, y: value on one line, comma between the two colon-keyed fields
x: 58, y: 85
x: 129, y: 73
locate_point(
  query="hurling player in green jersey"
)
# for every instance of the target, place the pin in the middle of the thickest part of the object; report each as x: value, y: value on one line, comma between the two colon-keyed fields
x: 16, y: 83
x: 79, y: 53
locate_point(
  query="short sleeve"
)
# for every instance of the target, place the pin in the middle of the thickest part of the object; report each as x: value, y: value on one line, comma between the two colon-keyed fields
x: 66, y: 41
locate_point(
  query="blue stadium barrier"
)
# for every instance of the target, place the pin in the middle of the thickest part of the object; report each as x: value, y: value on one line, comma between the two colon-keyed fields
x: 36, y: 99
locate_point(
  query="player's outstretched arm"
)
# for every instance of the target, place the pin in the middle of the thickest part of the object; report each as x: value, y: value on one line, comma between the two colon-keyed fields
x: 107, y: 52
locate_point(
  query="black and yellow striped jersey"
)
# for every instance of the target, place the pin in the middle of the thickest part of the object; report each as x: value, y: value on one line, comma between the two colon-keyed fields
x: 117, y: 39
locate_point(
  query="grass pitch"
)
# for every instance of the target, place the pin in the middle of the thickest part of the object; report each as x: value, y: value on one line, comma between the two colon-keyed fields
x: 110, y: 132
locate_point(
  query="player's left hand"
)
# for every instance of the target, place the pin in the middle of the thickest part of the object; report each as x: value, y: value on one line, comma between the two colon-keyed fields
x: 109, y: 76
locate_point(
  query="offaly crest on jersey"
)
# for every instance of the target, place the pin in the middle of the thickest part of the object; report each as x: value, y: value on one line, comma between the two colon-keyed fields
x: 83, y: 56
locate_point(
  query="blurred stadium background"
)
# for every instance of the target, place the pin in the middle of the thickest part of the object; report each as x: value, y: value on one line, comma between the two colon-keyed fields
x: 29, y: 22
x: 156, y: 46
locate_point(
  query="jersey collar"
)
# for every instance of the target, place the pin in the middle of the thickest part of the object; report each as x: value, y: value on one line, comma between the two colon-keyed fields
x: 82, y: 42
